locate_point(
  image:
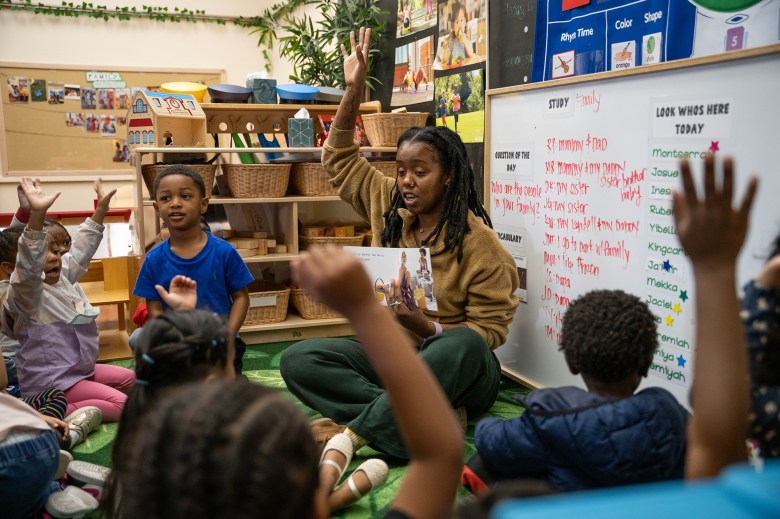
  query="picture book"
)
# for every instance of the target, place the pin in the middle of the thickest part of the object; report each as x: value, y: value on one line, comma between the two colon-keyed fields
x: 411, y: 266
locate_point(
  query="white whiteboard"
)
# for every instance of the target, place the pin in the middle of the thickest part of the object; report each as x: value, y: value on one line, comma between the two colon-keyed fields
x: 580, y: 176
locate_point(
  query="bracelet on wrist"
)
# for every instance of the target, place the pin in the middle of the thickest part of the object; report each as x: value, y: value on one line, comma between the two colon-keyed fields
x: 437, y: 328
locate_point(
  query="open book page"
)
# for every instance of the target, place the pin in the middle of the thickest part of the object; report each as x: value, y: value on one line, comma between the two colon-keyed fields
x: 411, y: 266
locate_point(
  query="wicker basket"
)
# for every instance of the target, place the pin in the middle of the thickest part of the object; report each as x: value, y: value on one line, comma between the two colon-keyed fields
x: 387, y: 167
x: 267, y: 314
x: 310, y: 179
x: 257, y: 180
x: 309, y: 307
x: 384, y: 129
x: 206, y: 171
x: 336, y: 240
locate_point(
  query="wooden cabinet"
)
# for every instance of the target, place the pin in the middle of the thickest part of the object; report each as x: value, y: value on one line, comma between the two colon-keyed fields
x: 282, y: 213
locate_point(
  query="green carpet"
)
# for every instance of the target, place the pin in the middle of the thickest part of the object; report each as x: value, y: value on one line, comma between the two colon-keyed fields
x: 261, y: 365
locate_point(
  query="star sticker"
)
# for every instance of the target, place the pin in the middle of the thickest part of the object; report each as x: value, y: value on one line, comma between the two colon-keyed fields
x: 669, y: 320
x: 667, y: 266
x: 677, y: 308
x: 714, y: 146
x: 684, y: 295
x: 681, y: 361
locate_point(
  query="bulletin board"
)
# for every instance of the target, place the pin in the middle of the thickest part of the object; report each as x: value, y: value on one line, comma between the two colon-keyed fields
x: 54, y: 121
x: 581, y: 172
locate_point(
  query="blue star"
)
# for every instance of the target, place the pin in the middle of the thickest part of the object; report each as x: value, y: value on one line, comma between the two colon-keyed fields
x: 667, y: 266
x: 681, y: 361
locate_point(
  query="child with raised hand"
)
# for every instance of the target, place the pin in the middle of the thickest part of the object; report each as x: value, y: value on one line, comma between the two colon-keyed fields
x: 222, y: 277
x: 261, y: 444
x: 718, y: 428
x: 608, y: 435
x: 50, y: 315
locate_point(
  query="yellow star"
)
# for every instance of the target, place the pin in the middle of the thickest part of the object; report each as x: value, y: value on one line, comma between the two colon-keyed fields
x: 677, y: 308
x: 669, y: 320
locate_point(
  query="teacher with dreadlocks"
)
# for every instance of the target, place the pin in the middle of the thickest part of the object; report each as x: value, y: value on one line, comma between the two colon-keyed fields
x: 432, y: 203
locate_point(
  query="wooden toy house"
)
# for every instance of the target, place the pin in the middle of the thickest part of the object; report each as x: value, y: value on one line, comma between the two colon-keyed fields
x: 164, y: 119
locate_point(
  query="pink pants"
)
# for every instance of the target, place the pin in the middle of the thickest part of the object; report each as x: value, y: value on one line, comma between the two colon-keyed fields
x: 107, y: 390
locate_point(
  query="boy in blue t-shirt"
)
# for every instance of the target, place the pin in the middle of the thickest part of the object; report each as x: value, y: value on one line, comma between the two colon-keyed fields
x: 221, y: 275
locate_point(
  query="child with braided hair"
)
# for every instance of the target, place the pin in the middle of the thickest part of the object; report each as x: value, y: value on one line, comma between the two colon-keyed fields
x: 432, y: 203
x: 238, y: 450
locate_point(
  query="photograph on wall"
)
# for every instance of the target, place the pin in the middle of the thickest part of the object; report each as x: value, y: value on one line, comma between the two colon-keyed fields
x: 108, y: 125
x: 460, y: 104
x: 462, y: 34
x: 88, y: 98
x: 38, y: 90
x: 73, y: 92
x: 18, y: 90
x: 415, y: 16
x: 413, y: 75
x: 121, y: 120
x: 105, y: 98
x: 93, y: 123
x: 56, y: 93
x: 121, y: 151
x: 75, y: 119
x: 121, y: 98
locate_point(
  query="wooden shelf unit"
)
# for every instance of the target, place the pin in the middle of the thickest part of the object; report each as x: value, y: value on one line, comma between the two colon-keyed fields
x: 242, y: 118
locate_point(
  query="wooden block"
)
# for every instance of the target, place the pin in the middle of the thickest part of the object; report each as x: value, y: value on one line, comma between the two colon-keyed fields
x: 251, y: 234
x: 314, y: 232
x: 227, y: 234
x: 270, y: 243
x: 345, y: 231
x: 262, y: 248
x: 244, y: 243
x: 330, y: 230
x: 279, y: 249
x: 245, y: 253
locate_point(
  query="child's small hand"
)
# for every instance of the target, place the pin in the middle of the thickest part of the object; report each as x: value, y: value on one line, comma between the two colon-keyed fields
x: 33, y: 192
x: 183, y: 293
x: 103, y: 199
x: 335, y: 277
x: 58, y: 425
x: 24, y: 204
x: 697, y: 219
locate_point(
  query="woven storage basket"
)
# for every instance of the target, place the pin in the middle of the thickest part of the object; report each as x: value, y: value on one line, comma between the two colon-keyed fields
x: 268, y: 314
x: 206, y: 171
x: 336, y: 240
x: 310, y: 179
x: 310, y: 308
x: 387, y: 167
x: 384, y: 129
x: 257, y: 180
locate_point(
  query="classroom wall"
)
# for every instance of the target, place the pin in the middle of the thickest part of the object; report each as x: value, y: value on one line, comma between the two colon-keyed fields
x: 43, y: 39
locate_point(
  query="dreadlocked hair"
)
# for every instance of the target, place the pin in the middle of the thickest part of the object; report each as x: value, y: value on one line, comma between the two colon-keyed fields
x: 608, y: 335
x: 173, y: 349
x: 460, y: 196
x: 223, y: 449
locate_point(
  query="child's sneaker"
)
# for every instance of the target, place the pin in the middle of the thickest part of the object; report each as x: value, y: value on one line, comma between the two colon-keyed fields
x: 82, y: 422
x: 70, y: 502
x: 86, y: 476
x: 65, y: 459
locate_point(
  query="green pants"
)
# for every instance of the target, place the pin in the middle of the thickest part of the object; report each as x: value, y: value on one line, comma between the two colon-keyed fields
x: 334, y: 377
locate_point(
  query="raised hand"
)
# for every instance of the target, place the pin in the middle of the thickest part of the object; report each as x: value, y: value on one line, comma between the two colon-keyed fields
x: 24, y: 204
x: 356, y: 61
x: 103, y: 198
x: 335, y: 277
x: 38, y: 200
x: 699, y: 221
x: 183, y: 293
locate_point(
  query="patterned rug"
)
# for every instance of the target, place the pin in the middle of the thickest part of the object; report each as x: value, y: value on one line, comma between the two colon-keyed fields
x: 261, y: 365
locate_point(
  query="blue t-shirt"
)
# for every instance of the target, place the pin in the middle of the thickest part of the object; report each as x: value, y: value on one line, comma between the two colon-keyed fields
x: 217, y: 268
